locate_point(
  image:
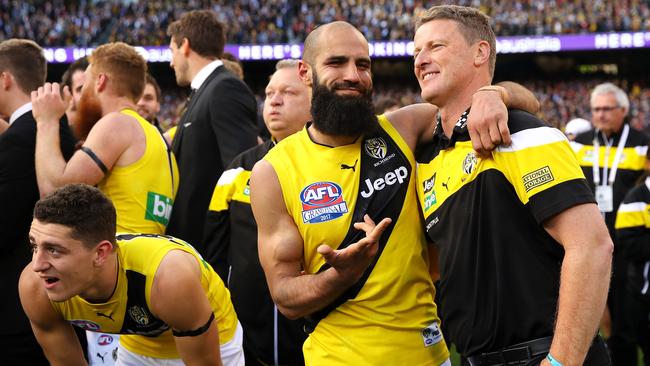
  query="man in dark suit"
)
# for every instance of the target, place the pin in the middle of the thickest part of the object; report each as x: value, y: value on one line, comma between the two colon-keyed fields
x: 22, y: 70
x: 218, y: 124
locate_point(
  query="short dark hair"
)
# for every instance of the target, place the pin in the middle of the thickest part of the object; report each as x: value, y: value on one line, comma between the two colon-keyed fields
x: 25, y: 60
x: 203, y: 30
x: 151, y: 80
x: 473, y: 25
x: 84, y: 209
x: 79, y: 65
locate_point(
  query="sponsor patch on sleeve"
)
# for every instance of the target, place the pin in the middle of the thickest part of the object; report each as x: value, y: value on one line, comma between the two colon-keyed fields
x: 431, y: 334
x: 537, y: 178
x: 322, y: 201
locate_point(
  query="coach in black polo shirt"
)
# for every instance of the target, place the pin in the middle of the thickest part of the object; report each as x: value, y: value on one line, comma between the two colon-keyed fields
x: 524, y: 253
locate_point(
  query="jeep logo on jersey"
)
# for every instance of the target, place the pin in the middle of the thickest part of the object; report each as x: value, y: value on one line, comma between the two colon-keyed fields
x: 159, y: 208
x: 396, y: 176
x: 322, y: 201
x: 470, y: 163
x: 139, y: 315
x: 85, y: 324
x: 428, y: 184
x: 104, y: 340
x: 376, y: 147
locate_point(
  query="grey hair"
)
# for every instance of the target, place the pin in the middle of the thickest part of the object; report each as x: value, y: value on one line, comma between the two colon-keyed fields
x: 619, y: 94
x: 286, y: 64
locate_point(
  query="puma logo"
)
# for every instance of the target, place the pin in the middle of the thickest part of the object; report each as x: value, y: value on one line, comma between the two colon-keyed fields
x: 109, y: 316
x: 353, y: 166
x: 101, y: 356
x: 445, y: 184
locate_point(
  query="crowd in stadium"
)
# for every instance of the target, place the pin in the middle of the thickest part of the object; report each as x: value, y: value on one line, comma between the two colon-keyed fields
x: 93, y: 22
x: 561, y: 101
x: 335, y: 218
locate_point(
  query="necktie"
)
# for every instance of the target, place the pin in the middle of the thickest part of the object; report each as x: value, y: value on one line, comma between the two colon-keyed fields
x: 187, y: 102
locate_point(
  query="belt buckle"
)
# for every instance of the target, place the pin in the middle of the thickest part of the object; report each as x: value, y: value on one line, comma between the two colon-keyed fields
x: 510, y: 356
x: 516, y: 356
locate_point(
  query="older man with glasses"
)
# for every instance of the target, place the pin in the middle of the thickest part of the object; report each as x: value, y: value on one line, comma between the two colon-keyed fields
x: 613, y: 157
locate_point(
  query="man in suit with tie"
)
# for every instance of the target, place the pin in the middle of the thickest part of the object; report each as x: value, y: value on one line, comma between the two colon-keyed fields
x: 218, y: 124
x: 22, y: 69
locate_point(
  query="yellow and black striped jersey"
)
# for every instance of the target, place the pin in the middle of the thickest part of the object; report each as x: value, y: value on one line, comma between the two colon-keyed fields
x: 633, y: 233
x: 231, y: 248
x: 499, y: 267
x: 392, y: 319
x: 128, y: 311
x: 632, y: 164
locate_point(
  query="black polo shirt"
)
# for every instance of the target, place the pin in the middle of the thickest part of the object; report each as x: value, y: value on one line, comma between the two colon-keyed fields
x: 500, y: 270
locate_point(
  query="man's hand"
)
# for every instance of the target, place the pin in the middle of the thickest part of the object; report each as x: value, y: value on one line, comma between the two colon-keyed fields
x: 352, y: 261
x: 487, y: 122
x: 48, y: 104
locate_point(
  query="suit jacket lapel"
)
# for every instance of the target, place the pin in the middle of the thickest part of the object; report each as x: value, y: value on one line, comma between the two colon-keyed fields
x: 176, y: 144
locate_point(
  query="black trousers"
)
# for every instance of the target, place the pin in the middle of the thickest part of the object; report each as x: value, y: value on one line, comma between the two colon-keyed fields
x: 597, y: 355
x: 630, y: 323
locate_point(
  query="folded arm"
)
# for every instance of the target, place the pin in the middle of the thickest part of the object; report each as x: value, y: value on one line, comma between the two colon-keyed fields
x: 107, y: 140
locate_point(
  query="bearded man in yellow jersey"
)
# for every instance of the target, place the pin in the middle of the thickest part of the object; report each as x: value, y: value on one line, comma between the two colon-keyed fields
x: 367, y: 293
x: 147, y: 284
x: 123, y: 154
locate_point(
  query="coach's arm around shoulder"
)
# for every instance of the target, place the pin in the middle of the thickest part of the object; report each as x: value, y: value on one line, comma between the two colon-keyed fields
x: 178, y: 299
x: 55, y: 335
x: 280, y: 247
x: 584, y: 280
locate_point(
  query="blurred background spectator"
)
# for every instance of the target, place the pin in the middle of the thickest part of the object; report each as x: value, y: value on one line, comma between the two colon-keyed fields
x: 94, y: 22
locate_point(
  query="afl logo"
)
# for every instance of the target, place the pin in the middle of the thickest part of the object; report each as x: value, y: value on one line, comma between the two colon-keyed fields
x: 322, y: 201
x: 376, y: 147
x: 85, y: 324
x: 104, y: 340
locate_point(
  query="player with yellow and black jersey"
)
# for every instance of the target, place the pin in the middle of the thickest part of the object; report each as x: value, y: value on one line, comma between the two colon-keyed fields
x: 633, y: 234
x: 613, y: 156
x: 505, y: 223
x: 231, y: 231
x: 154, y: 286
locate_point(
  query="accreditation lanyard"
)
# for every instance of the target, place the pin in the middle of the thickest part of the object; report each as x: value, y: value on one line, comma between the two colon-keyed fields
x: 604, y: 191
x: 617, y: 158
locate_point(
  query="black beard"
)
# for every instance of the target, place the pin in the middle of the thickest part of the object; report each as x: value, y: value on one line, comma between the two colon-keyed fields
x: 338, y: 115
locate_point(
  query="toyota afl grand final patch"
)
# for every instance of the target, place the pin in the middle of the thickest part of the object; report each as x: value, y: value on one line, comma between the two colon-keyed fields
x: 322, y: 201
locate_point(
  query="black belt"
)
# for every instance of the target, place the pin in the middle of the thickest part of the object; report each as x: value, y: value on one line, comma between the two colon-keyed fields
x: 514, y: 355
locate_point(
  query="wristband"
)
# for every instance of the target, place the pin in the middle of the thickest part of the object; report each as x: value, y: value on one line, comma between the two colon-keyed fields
x: 501, y: 90
x: 552, y: 360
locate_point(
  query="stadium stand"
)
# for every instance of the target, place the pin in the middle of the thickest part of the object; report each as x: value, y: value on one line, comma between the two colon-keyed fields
x: 92, y: 22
